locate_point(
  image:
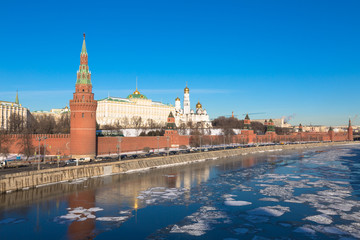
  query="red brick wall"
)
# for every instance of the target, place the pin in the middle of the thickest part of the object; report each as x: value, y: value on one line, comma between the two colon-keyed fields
x: 60, y: 143
x: 56, y: 143
x: 128, y: 144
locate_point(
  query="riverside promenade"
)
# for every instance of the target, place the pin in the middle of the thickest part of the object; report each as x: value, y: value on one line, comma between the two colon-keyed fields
x: 30, y: 179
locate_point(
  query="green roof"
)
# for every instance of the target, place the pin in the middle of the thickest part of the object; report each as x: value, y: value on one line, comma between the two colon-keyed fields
x: 83, y: 49
x: 136, y: 94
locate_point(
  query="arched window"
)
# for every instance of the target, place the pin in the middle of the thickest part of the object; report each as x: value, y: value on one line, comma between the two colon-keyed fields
x: 82, y: 114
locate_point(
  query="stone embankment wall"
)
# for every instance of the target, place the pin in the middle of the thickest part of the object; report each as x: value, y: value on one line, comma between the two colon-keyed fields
x: 30, y: 179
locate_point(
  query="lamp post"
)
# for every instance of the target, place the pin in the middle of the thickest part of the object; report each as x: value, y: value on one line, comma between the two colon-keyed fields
x: 39, y: 139
x: 224, y: 141
x: 167, y: 139
x: 44, y: 148
x: 119, y: 148
x: 200, y: 137
x: 158, y: 138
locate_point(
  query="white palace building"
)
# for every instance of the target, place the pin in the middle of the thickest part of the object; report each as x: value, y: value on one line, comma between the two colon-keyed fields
x: 125, y: 111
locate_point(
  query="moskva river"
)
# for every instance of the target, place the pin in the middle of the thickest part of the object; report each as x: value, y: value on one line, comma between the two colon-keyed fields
x: 303, y: 194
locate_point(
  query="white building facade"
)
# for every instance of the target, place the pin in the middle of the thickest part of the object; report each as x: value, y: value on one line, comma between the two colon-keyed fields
x: 9, y: 108
x: 125, y: 111
x: 186, y: 115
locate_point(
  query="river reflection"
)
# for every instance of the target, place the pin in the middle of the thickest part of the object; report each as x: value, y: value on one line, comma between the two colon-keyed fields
x: 135, y: 204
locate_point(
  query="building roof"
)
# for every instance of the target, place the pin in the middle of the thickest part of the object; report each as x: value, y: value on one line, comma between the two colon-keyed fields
x: 137, y: 94
x: 128, y: 100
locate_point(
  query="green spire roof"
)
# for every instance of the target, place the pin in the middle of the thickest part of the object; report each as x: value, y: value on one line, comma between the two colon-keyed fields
x: 83, y: 75
x: 17, y: 97
x: 247, y: 117
x: 83, y: 49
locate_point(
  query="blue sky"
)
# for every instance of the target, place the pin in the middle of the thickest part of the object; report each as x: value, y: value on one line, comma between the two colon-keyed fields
x: 278, y: 57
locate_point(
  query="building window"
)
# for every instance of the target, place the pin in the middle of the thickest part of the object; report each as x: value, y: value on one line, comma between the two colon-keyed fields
x: 82, y: 114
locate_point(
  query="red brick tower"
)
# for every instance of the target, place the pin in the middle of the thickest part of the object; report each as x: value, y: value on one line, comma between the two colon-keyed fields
x: 171, y: 131
x: 331, y: 134
x: 83, y: 112
x: 350, y: 132
x: 247, y: 123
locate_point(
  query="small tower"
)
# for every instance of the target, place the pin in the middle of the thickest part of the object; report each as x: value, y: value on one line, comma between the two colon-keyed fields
x: 301, y: 128
x: 17, y: 98
x: 270, y: 126
x: 83, y: 112
x: 350, y: 131
x: 177, y: 104
x: 247, y: 123
x: 186, y: 100
x: 171, y: 133
x: 331, y: 134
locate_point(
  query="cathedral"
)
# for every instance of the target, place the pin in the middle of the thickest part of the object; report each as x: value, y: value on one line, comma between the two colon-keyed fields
x: 186, y: 114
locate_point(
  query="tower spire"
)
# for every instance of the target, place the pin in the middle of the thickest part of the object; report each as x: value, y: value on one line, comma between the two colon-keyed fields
x: 17, y: 97
x: 83, y: 75
x: 83, y: 49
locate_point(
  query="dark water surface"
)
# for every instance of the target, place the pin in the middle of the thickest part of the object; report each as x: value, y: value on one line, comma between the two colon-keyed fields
x: 303, y: 194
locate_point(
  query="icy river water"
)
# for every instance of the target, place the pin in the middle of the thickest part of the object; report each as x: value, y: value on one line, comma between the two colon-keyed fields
x: 302, y: 194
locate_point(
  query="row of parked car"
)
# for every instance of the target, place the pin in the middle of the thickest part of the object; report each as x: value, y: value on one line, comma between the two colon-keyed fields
x: 171, y: 152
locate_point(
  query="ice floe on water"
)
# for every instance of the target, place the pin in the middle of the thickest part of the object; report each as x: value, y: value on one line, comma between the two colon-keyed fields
x: 305, y: 230
x: 112, y: 219
x: 161, y: 194
x: 200, y: 222
x: 271, y: 211
x: 79, y: 214
x: 321, y: 219
x: 230, y: 202
x: 269, y: 199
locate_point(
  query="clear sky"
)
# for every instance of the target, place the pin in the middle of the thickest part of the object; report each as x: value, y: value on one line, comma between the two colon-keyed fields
x: 298, y: 57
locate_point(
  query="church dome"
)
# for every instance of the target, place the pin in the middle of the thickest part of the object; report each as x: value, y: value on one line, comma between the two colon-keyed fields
x: 186, y: 89
x: 177, y: 99
x: 198, y: 105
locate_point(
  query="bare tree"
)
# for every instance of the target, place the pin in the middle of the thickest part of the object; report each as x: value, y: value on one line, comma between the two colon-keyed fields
x: 26, y: 144
x: 4, y: 143
x: 136, y: 122
x: 125, y: 122
x: 16, y: 123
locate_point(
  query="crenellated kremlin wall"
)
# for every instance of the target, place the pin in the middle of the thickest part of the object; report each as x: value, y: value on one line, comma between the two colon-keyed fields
x: 59, y: 144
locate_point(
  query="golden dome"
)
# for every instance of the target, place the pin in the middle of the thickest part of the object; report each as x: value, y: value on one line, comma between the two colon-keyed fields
x: 136, y: 92
x: 198, y: 105
x: 177, y: 99
x: 186, y: 90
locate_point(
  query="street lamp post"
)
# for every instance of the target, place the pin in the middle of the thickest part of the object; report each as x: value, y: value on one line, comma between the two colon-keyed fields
x: 167, y: 139
x: 158, y: 138
x: 224, y: 141
x: 39, y: 139
x: 200, y: 137
x: 119, y: 148
x: 44, y: 148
